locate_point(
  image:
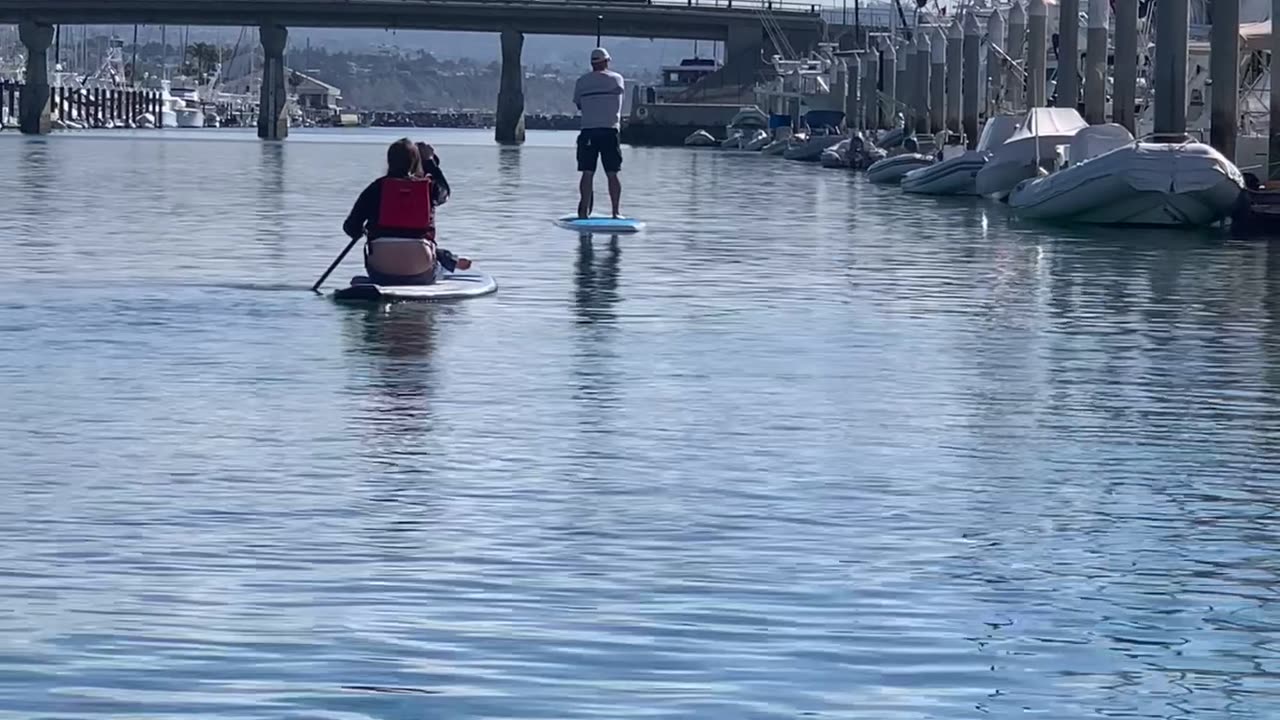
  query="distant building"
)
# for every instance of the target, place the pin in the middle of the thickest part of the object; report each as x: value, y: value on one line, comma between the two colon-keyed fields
x: 315, y: 94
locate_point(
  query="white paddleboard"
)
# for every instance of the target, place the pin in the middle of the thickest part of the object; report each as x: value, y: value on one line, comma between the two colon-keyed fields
x: 448, y: 287
x: 600, y: 224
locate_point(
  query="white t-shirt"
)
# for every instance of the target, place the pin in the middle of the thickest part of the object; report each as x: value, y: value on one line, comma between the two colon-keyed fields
x: 598, y: 94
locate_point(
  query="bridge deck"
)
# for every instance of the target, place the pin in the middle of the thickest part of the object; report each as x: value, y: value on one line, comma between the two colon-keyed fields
x: 697, y: 19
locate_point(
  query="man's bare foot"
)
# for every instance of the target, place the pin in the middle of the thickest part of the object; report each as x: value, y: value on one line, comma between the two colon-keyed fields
x: 463, y: 263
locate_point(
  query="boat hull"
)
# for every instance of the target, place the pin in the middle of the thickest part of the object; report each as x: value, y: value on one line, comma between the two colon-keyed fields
x: 1188, y: 184
x: 954, y: 176
x: 892, y: 170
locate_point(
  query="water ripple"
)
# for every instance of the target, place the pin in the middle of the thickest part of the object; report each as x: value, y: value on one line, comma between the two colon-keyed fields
x: 806, y: 448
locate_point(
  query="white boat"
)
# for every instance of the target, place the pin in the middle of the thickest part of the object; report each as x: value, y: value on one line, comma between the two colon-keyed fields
x: 745, y: 140
x: 1132, y: 183
x: 892, y: 169
x: 776, y: 147
x: 700, y: 138
x: 955, y: 175
x: 810, y: 148
x: 836, y: 156
x: 1021, y: 156
x: 757, y: 142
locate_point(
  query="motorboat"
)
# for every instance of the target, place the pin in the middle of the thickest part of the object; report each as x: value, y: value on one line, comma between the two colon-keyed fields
x: 862, y: 153
x: 894, y: 168
x: 955, y: 174
x: 1112, y: 180
x: 808, y: 148
x: 1022, y: 156
x: 836, y: 156
x: 700, y: 138
x: 745, y: 140
x: 759, y: 142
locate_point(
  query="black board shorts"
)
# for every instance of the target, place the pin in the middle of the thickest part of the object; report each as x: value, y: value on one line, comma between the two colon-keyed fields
x: 599, y: 143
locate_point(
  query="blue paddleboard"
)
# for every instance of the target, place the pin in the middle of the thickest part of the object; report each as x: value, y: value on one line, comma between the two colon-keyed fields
x: 600, y: 224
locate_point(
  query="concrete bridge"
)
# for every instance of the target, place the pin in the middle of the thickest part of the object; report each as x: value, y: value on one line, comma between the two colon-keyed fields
x: 739, y: 24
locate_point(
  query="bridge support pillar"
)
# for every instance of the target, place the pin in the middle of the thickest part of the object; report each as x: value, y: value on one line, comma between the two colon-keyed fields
x: 273, y: 116
x: 509, y: 125
x: 33, y: 106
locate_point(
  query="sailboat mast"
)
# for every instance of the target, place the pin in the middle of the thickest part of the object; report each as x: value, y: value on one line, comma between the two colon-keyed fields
x: 133, y: 64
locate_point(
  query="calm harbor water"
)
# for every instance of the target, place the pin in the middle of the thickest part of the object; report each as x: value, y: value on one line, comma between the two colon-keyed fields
x: 806, y: 448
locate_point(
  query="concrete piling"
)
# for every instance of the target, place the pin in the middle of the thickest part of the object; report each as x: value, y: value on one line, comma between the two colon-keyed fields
x: 509, y: 120
x: 1037, y: 42
x: 1095, y: 75
x: 1124, y: 88
x: 938, y: 81
x: 870, y: 93
x: 1224, y: 75
x: 889, y: 102
x: 33, y: 110
x: 1015, y: 45
x: 839, y: 86
x: 903, y: 92
x: 1068, y: 90
x: 969, y: 110
x: 273, y: 115
x: 995, y: 62
x: 955, y: 73
x: 1273, y: 146
x: 852, y: 99
x: 923, y: 58
x: 1171, y: 71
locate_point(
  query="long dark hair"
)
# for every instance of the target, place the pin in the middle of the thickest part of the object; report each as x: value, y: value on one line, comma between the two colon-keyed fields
x: 403, y: 159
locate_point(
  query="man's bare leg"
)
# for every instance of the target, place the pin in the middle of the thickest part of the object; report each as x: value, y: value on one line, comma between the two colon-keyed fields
x: 615, y: 191
x: 586, y: 194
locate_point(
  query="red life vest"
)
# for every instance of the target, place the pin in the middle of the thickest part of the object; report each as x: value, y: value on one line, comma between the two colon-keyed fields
x: 405, y: 207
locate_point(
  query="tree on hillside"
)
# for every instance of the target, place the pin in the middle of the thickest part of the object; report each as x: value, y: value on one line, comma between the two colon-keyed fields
x: 201, y: 58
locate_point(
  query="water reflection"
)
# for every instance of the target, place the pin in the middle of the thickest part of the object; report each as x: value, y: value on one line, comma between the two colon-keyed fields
x: 398, y: 342
x: 595, y: 300
x: 269, y: 209
x: 36, y: 173
x: 596, y: 281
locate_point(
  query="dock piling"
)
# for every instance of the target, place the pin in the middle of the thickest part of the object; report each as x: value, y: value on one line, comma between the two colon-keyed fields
x: 1068, y: 87
x: 889, y: 104
x: 1273, y: 146
x: 1224, y: 75
x: 1037, y: 42
x: 1095, y: 60
x: 923, y: 58
x: 1015, y: 45
x: 1170, y: 97
x: 870, y: 94
x: 995, y: 62
x: 938, y: 81
x: 955, y: 74
x: 1124, y: 88
x: 972, y: 45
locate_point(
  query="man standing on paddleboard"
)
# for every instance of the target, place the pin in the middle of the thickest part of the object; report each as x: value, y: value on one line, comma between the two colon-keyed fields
x: 598, y: 96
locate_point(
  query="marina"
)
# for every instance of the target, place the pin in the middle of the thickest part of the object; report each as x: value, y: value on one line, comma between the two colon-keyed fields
x: 800, y: 449
x: 932, y: 385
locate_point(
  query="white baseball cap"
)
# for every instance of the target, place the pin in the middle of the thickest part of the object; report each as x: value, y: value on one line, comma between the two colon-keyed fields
x: 599, y: 55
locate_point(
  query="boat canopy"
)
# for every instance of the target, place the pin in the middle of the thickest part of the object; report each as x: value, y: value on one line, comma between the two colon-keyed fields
x: 1098, y: 140
x: 1049, y: 121
x: 997, y: 130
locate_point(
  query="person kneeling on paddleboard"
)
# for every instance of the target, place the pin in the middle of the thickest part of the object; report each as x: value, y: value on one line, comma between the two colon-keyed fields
x: 396, y: 212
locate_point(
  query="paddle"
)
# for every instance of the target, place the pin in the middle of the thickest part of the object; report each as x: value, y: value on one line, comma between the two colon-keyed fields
x: 334, y: 265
